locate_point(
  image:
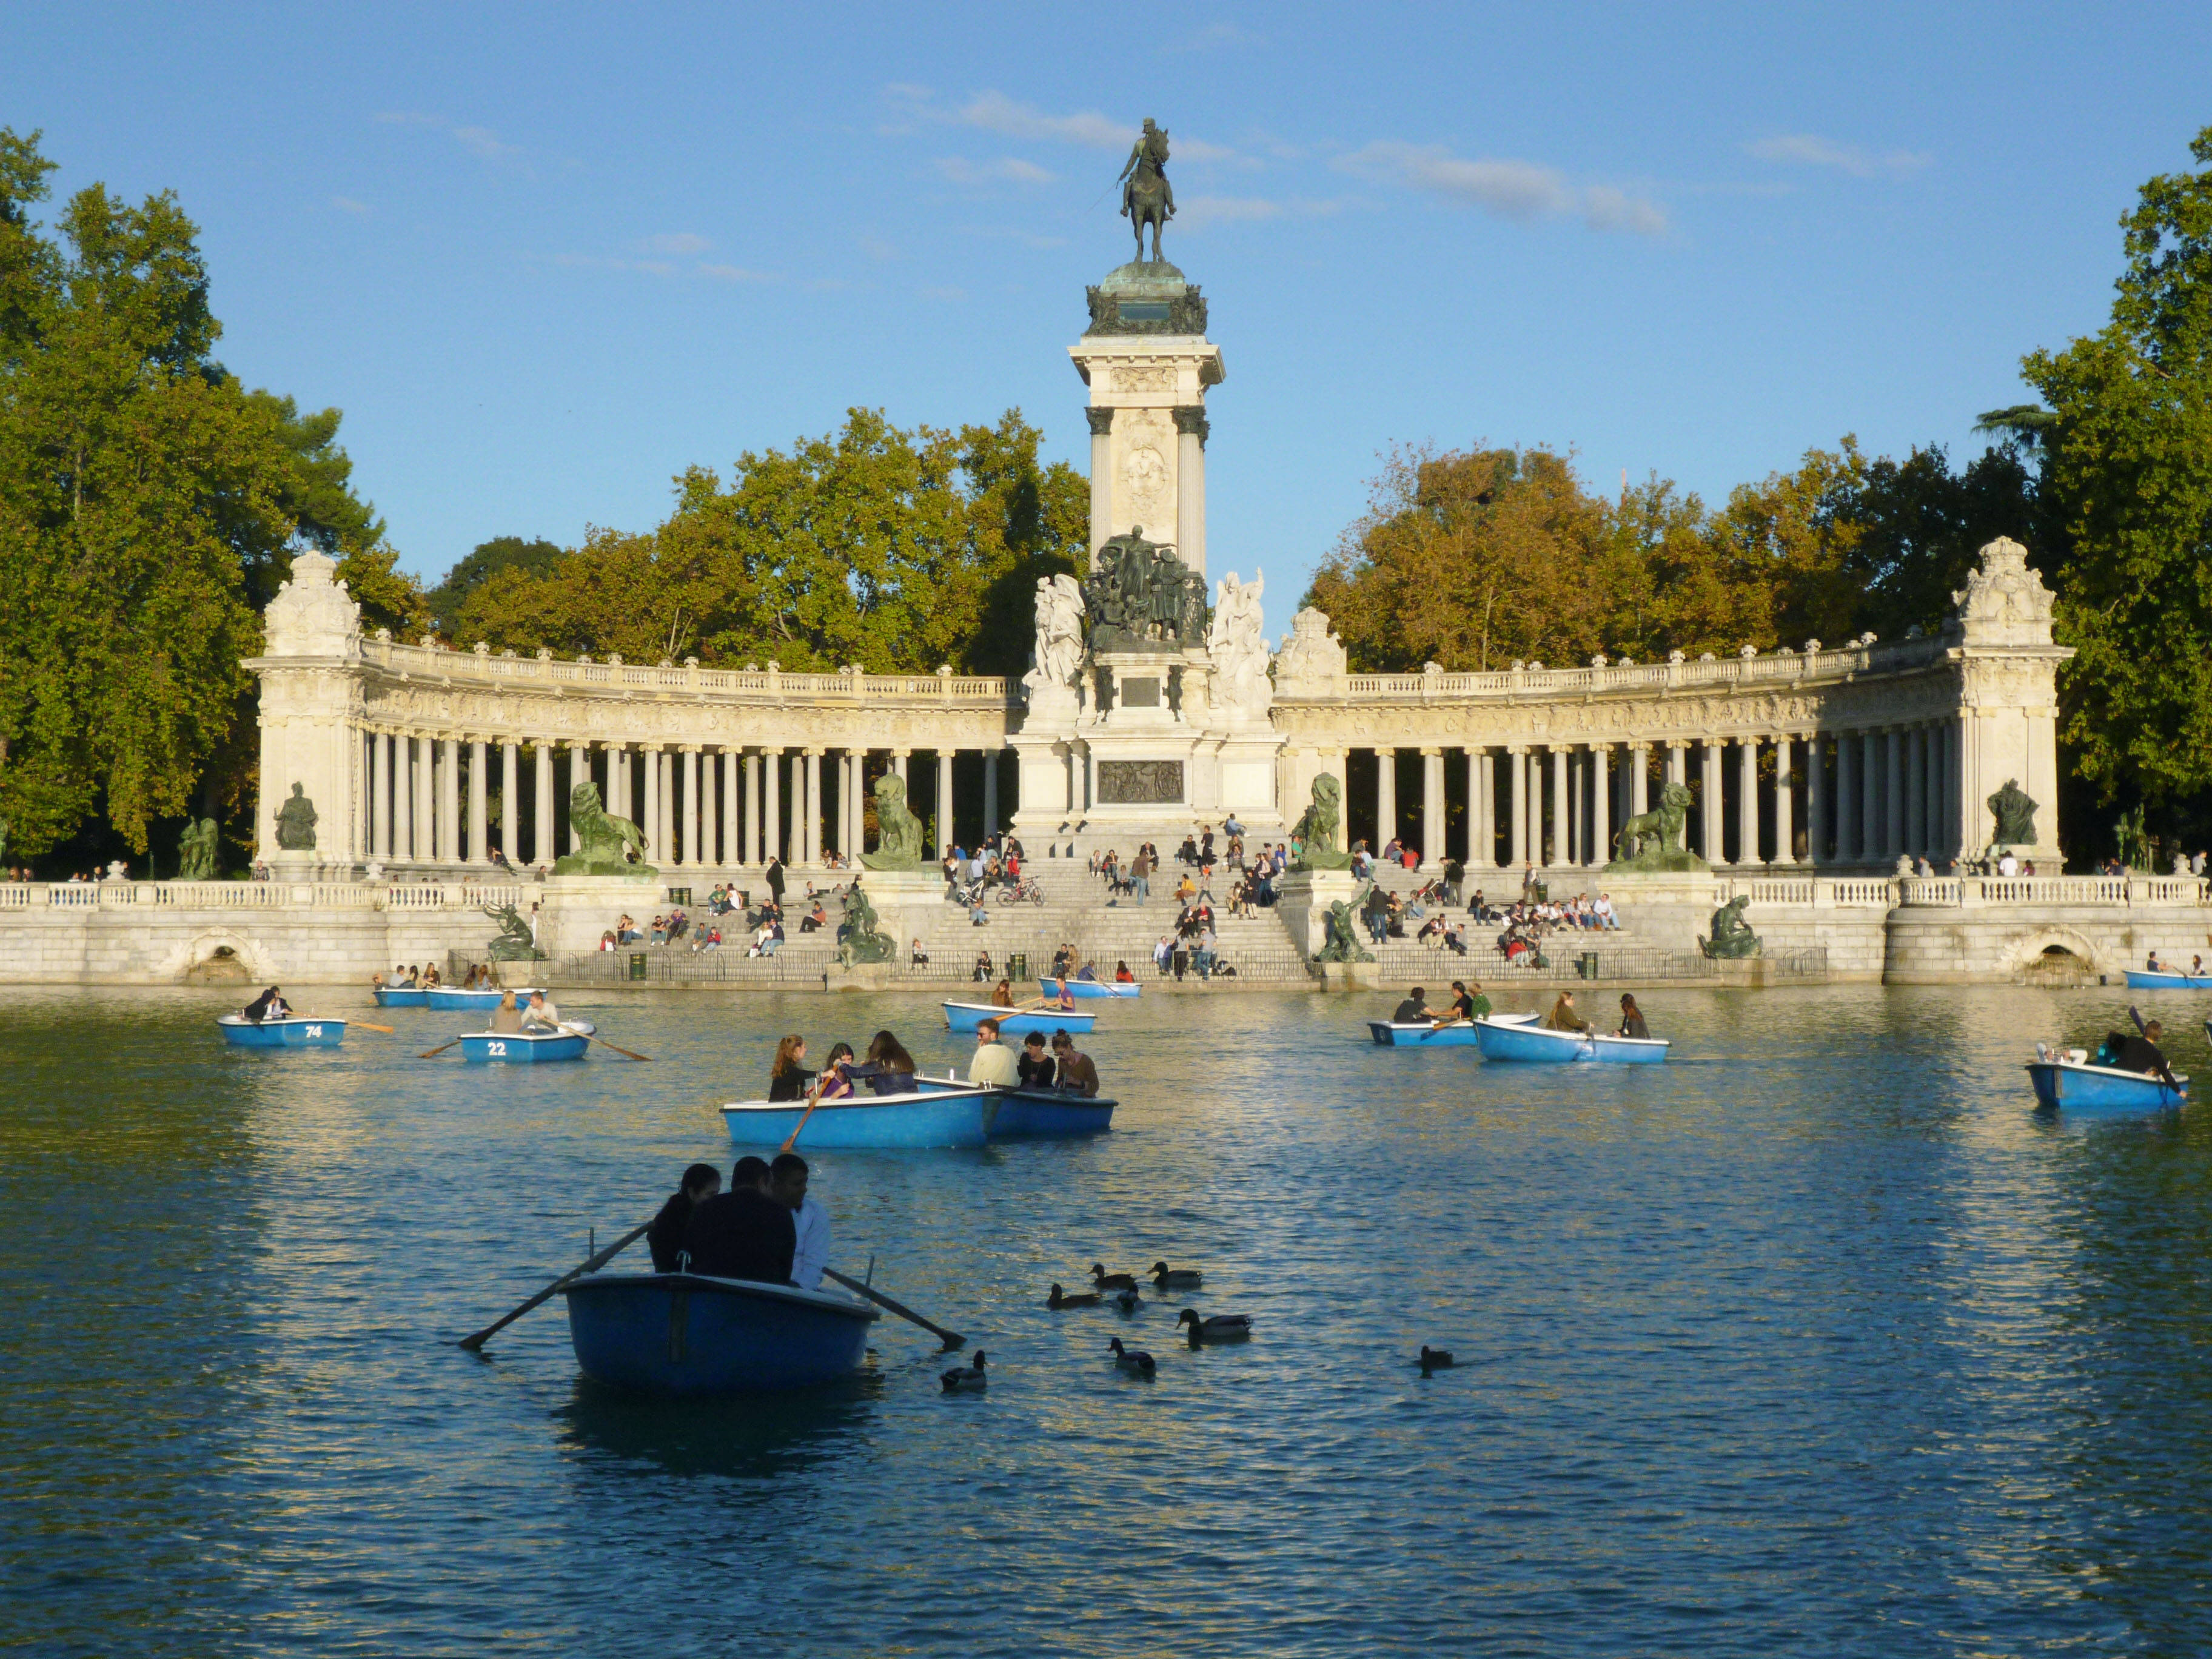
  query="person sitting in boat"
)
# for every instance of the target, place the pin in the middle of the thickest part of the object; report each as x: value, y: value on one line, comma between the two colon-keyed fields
x: 1122, y: 976
x: 1632, y: 1019
x: 1468, y: 1005
x: 506, y: 1019
x: 788, y: 1078
x: 809, y: 1254
x: 2141, y: 1053
x: 664, y: 1237
x: 540, y: 1015
x: 2150, y: 965
x: 1087, y: 974
x: 432, y: 978
x: 1076, y: 1075
x: 269, y: 1005
x: 1002, y: 994
x: 376, y: 980
x: 1415, y: 1008
x: 742, y: 1233
x: 1563, y: 1017
x: 836, y: 1085
x: 888, y: 1070
x: 1036, y: 1068
x: 992, y: 1062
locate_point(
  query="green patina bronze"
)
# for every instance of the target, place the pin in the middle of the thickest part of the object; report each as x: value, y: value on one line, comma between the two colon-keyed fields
x: 513, y: 943
x: 1140, y: 597
x: 1147, y: 198
x: 604, y: 840
x: 2015, y: 809
x: 1732, y: 938
x: 295, y: 824
x: 898, y: 832
x: 1653, y: 840
x: 1340, y: 942
x: 198, y: 846
x: 1319, y: 829
x: 858, y: 939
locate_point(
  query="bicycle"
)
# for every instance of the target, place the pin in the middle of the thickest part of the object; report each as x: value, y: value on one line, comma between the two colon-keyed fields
x: 1014, y: 892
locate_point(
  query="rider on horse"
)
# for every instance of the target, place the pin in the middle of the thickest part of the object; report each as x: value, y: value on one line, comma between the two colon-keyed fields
x: 1153, y: 146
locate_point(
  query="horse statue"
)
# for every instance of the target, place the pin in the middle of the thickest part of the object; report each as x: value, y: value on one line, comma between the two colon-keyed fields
x: 898, y: 832
x: 514, y: 942
x: 1147, y: 198
x: 1317, y: 827
x: 604, y: 840
x: 1653, y: 840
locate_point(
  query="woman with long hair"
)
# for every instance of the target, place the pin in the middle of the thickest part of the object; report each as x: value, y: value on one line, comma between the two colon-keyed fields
x: 788, y: 1078
x: 1632, y: 1019
x: 888, y: 1070
x: 839, y: 1085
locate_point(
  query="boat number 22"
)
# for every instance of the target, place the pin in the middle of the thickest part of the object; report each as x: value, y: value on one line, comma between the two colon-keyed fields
x: 497, y: 1049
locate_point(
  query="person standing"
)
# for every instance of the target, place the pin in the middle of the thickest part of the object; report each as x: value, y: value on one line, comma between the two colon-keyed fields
x: 1140, y: 874
x: 809, y: 1252
x: 992, y: 1062
x: 773, y: 876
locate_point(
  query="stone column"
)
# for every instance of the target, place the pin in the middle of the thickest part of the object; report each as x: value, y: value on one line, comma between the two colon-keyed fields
x: 1386, y: 797
x: 648, y: 821
x: 541, y: 840
x: 1432, y: 809
x: 1639, y: 778
x: 380, y: 796
x: 1893, y: 840
x: 1517, y: 766
x: 449, y: 800
x: 426, y: 797
x: 1870, y: 781
x: 1747, y: 805
x: 1558, y: 846
x: 1102, y: 490
x: 1190, y: 485
x: 1482, y: 809
x: 752, y: 837
x: 510, y: 801
x: 1848, y: 755
x: 729, y: 852
x: 692, y: 854
x: 898, y: 763
x: 990, y: 755
x: 944, y: 836
x: 1816, y: 798
x: 1917, y: 838
x: 1572, y: 841
x: 579, y: 772
x: 1677, y: 766
x: 1945, y: 838
x: 814, y: 806
x: 1785, y: 813
x: 1601, y: 846
x: 770, y: 823
x: 1710, y: 807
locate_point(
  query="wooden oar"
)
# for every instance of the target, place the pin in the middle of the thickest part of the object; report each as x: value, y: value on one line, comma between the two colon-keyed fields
x: 2166, y: 1071
x: 440, y: 1049
x: 951, y: 1339
x: 474, y: 1343
x: 604, y: 1043
x: 366, y: 1026
x: 821, y: 1082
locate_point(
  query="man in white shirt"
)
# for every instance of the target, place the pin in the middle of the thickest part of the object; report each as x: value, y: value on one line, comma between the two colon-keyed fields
x: 2007, y: 865
x: 992, y: 1062
x: 809, y: 1254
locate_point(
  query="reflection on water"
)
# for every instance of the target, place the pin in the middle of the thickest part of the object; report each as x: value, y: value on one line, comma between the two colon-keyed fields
x: 1816, y: 1339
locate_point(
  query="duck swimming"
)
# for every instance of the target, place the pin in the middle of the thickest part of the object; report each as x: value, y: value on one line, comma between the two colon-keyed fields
x: 1127, y: 1301
x: 1176, y: 1279
x: 1137, y: 1364
x: 1435, y: 1359
x: 1216, y: 1327
x: 967, y: 1379
x: 1059, y: 1298
x: 1106, y: 1281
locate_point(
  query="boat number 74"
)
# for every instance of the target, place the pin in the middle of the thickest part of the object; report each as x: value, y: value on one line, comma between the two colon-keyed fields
x: 314, y: 1031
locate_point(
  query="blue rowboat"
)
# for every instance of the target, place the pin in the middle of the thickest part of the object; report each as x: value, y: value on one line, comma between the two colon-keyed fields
x: 449, y: 999
x: 1422, y: 1033
x: 1523, y: 1039
x: 959, y: 1116
x: 296, y: 1032
x: 966, y: 1015
x: 1083, y: 989
x: 684, y: 1333
x: 524, y: 1047
x: 402, y: 996
x: 2065, y: 1078
x: 2141, y: 979
x: 1037, y: 1113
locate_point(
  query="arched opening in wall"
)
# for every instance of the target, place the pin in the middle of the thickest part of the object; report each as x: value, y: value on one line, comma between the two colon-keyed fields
x: 2056, y: 966
x: 220, y: 966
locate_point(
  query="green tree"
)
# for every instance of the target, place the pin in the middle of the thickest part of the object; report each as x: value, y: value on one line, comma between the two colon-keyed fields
x: 484, y: 561
x: 2127, y: 472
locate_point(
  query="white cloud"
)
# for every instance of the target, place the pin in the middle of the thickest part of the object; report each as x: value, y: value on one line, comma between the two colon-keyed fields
x: 1196, y: 212
x: 480, y: 141
x: 1521, y: 190
x: 682, y: 242
x: 347, y: 204
x: 996, y: 112
x: 961, y: 171
x: 1811, y: 150
x: 737, y: 274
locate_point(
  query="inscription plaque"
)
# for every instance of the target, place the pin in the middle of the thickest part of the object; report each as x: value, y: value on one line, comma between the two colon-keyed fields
x: 1140, y: 692
x: 1139, y: 782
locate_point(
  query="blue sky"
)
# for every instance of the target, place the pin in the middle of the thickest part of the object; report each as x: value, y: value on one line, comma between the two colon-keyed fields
x: 545, y: 256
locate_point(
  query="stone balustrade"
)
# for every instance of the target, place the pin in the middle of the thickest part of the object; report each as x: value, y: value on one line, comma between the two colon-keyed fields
x: 262, y: 895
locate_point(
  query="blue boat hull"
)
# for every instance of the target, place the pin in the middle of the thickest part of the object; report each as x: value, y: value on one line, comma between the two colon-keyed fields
x: 1087, y: 989
x: 2101, y: 1088
x: 1424, y: 1034
x: 401, y: 996
x: 1521, y: 1041
x: 965, y: 1017
x: 282, y: 1033
x: 508, y: 1049
x: 925, y: 1119
x: 451, y: 1001
x: 681, y: 1334
x: 1039, y: 1114
x: 2138, y: 980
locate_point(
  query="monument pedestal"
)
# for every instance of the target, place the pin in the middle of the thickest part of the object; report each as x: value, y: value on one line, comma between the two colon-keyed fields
x: 576, y: 909
x: 1303, y: 898
x: 903, y: 900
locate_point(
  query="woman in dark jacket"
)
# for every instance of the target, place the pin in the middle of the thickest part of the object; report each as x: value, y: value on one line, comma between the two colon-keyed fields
x: 787, y: 1079
x: 664, y: 1238
x: 888, y: 1070
x: 1632, y: 1019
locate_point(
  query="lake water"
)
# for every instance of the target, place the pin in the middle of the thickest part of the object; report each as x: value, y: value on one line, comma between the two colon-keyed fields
x: 1816, y: 1340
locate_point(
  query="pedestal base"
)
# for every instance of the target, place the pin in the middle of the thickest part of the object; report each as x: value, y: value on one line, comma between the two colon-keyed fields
x: 1303, y: 898
x: 577, y: 909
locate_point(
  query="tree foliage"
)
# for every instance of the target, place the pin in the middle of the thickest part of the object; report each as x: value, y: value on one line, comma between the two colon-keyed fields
x: 484, y: 561
x: 147, y: 503
x: 895, y: 549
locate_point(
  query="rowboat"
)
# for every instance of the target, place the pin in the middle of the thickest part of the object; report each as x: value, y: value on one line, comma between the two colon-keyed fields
x: 1082, y: 989
x: 2141, y: 979
x: 1422, y: 1033
x: 1037, y: 1113
x: 524, y: 1047
x: 1523, y: 1039
x: 684, y: 1333
x: 402, y: 996
x: 966, y: 1015
x: 2063, y: 1077
x: 959, y: 1116
x: 294, y: 1032
x: 446, y: 996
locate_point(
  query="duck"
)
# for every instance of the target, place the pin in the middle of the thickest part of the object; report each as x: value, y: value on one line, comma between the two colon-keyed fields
x: 1176, y: 1279
x: 1215, y: 1327
x: 1136, y: 1362
x: 1059, y: 1298
x: 1106, y: 1281
x: 1435, y: 1359
x: 967, y: 1379
x: 1127, y: 1300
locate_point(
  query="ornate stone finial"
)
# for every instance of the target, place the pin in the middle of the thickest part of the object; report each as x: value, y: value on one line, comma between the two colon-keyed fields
x: 482, y: 649
x: 430, y: 640
x: 1784, y: 651
x: 615, y: 661
x: 1812, y: 647
x: 313, y: 615
x: 1707, y: 656
x: 383, y: 636
x: 665, y: 663
x: 1535, y: 668
x: 1916, y: 632
x: 944, y: 671
x: 691, y: 662
x: 1866, y: 638
x: 1598, y: 661
x: 1627, y: 662
x: 545, y: 654
x: 508, y: 654
x: 1678, y: 655
x: 1312, y: 658
x: 1746, y: 650
x: 584, y: 656
x: 2003, y: 603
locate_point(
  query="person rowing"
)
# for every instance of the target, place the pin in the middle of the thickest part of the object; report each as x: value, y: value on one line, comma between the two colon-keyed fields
x: 1468, y: 1006
x: 1563, y: 1017
x: 541, y: 1014
x: 1632, y: 1020
x: 1415, y: 1009
x: 664, y: 1238
x: 888, y: 1070
x: 2142, y: 1054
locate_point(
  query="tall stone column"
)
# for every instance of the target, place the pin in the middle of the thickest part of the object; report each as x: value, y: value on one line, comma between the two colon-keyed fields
x: 580, y: 773
x: 728, y: 846
x: 1432, y: 809
x: 1557, y: 847
x: 541, y: 840
x: 944, y: 836
x: 1849, y: 755
x: 380, y: 796
x: 1601, y: 840
x: 1190, y: 485
x: 1482, y: 809
x: 1816, y: 798
x: 1747, y: 805
x: 510, y: 801
x: 426, y: 797
x: 814, y: 806
x: 899, y: 757
x: 1678, y: 762
x: 449, y: 800
x: 693, y: 855
x: 1386, y: 797
x: 648, y: 820
x: 1785, y: 804
x: 1101, y: 488
x: 990, y: 775
x: 752, y: 807
x: 771, y: 819
x: 1893, y: 840
x: 1945, y: 845
x: 1917, y: 838
x: 1709, y: 806
x: 1639, y: 778
x: 1871, y: 779
x: 1516, y: 781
